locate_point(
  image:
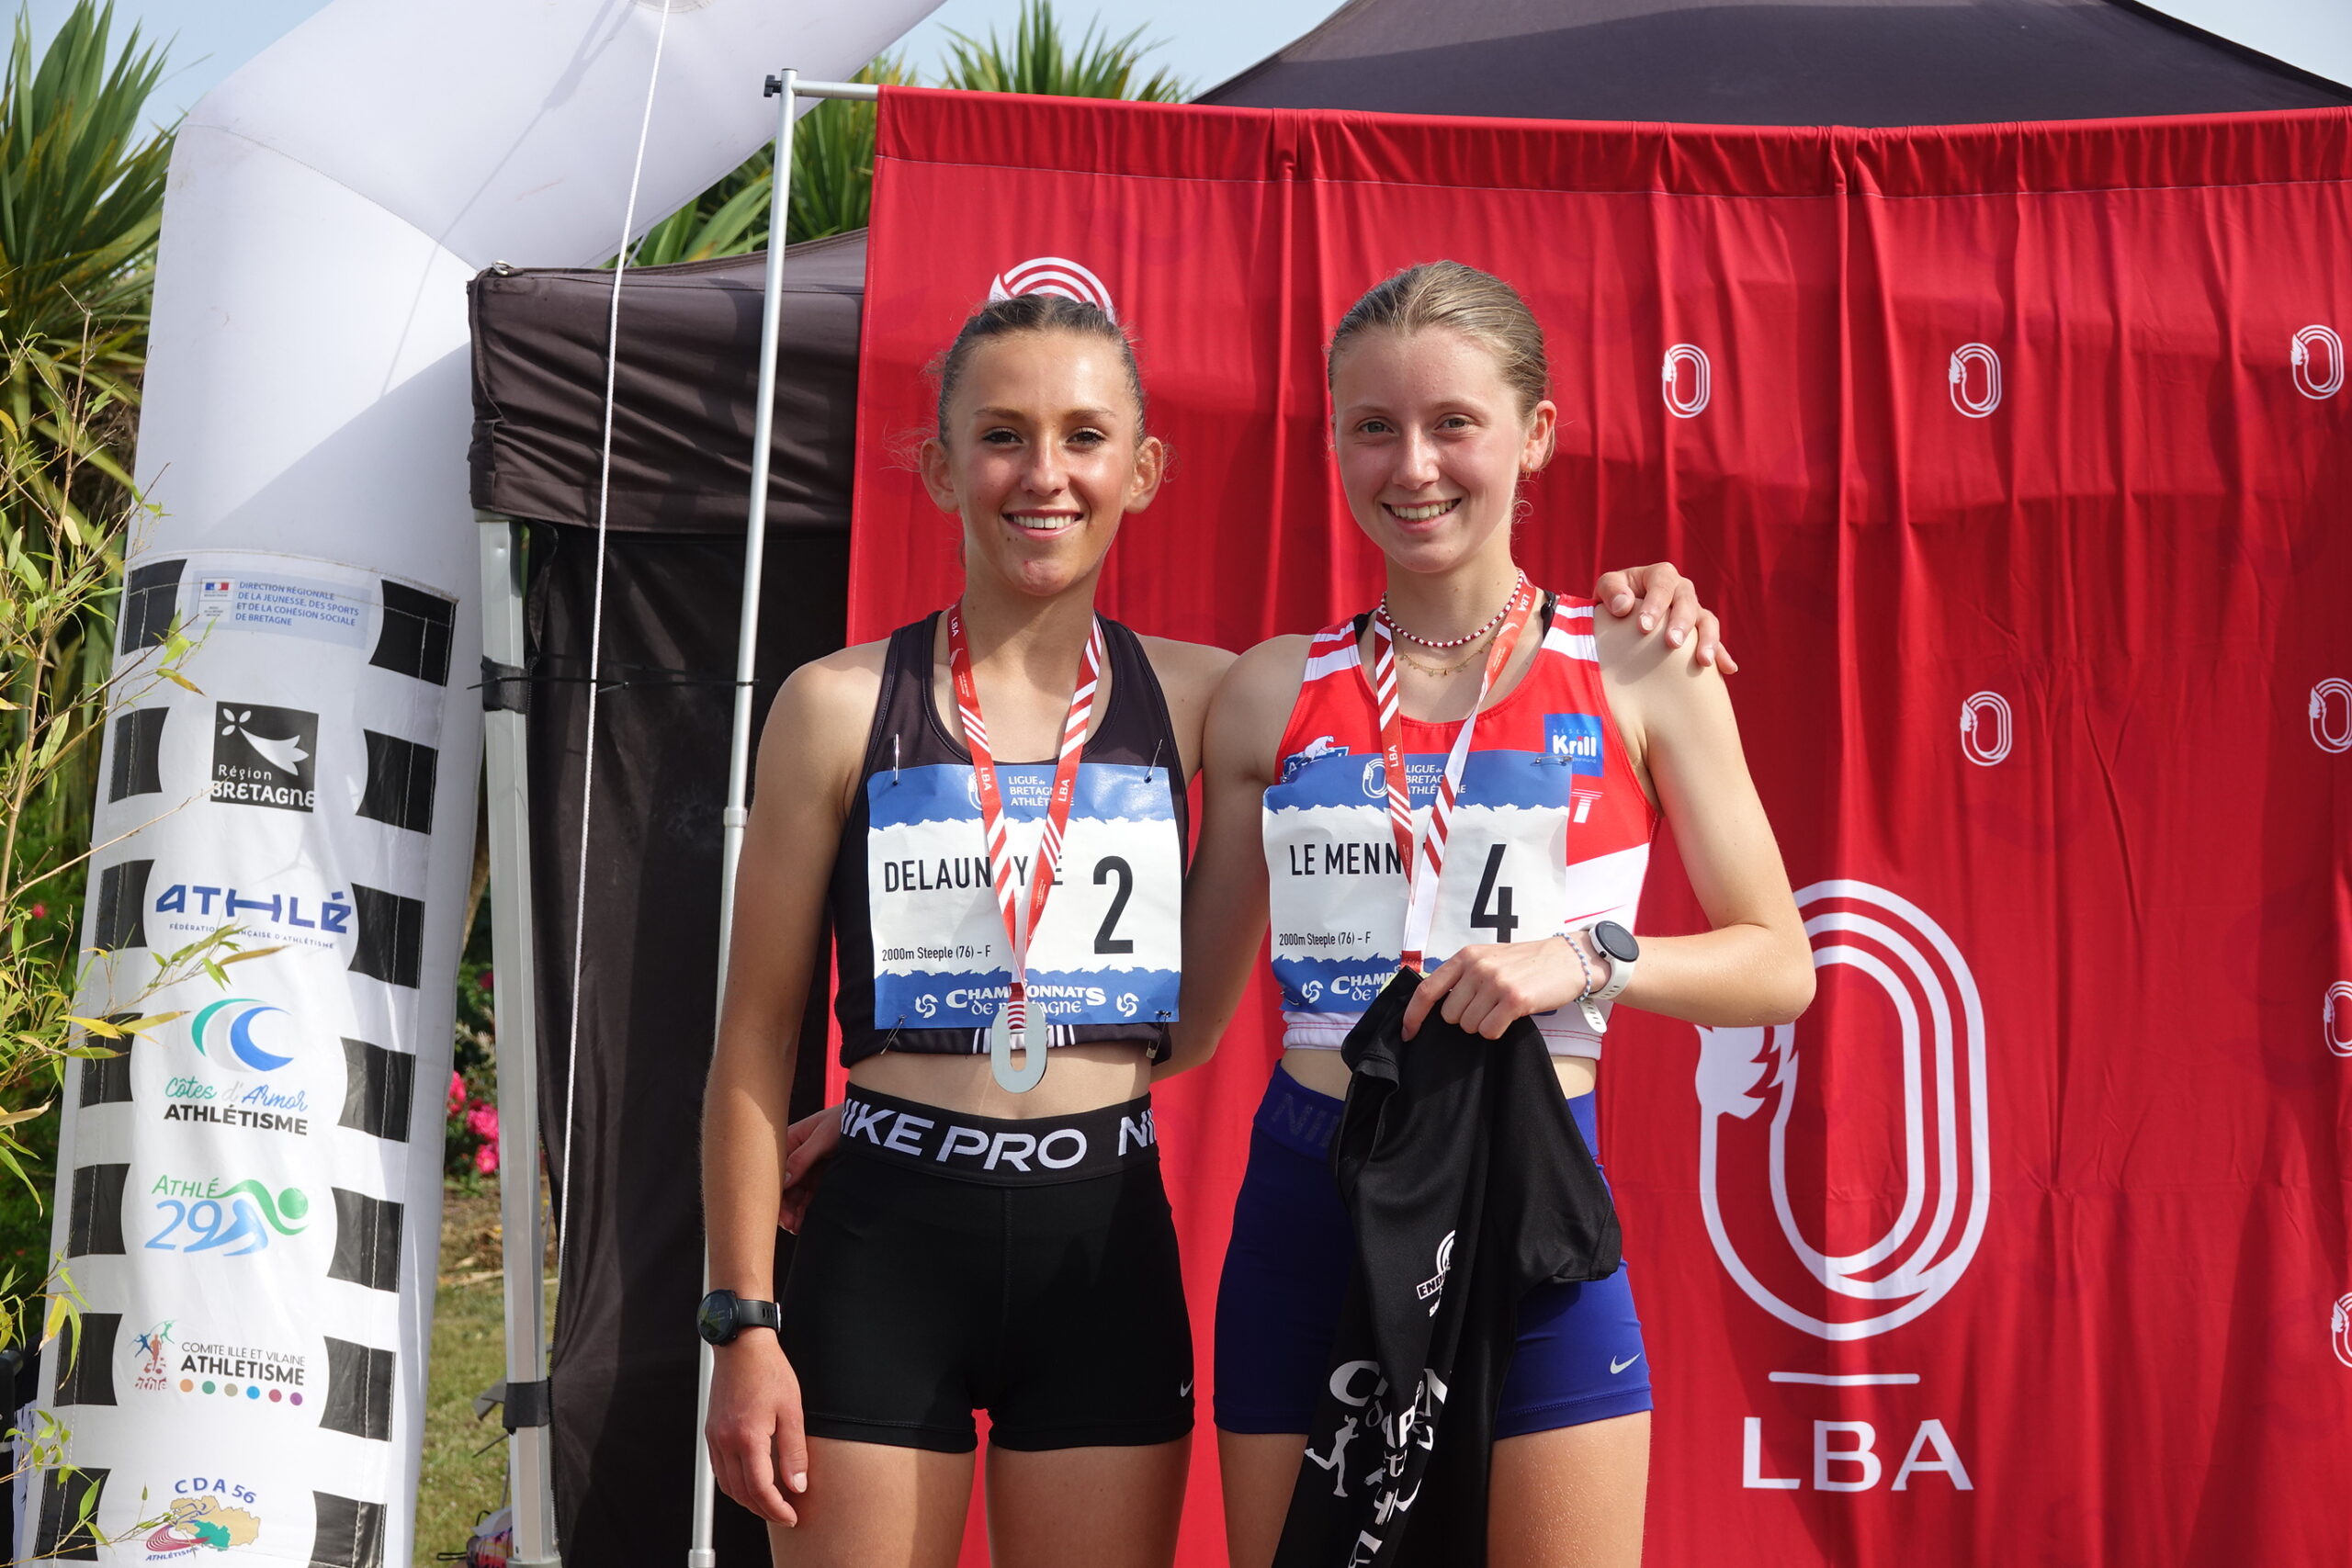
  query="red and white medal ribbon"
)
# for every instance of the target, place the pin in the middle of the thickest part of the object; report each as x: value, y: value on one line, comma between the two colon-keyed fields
x: 1019, y: 907
x: 1425, y: 861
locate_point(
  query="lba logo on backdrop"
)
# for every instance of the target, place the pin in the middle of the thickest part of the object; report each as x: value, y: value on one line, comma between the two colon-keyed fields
x: 1052, y: 274
x: 265, y: 756
x: 1847, y: 1286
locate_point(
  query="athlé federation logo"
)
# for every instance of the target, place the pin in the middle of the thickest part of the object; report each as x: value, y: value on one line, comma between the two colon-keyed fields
x: 1756, y: 1180
x: 1052, y: 274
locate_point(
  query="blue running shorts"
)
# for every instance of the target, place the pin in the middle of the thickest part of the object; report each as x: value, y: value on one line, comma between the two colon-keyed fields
x: 1579, y: 1357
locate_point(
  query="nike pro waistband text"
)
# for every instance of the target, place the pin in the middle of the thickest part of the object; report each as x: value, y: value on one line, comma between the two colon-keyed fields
x: 992, y: 1149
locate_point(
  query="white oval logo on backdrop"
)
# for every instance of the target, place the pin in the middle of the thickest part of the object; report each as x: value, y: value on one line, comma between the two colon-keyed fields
x: 1981, y: 713
x: 2313, y: 344
x: 1052, y: 274
x: 2335, y: 1019
x: 2331, y: 712
x: 2339, y: 1323
x: 1688, y: 380
x: 1986, y: 366
x: 1946, y: 1143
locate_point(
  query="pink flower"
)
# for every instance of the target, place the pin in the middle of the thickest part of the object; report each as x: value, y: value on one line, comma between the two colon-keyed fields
x: 486, y: 1158
x: 482, y: 1119
x: 485, y: 981
x: 40, y: 912
x: 457, y: 1091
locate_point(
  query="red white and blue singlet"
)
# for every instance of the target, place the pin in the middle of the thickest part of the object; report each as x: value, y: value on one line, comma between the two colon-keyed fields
x: 1551, y: 828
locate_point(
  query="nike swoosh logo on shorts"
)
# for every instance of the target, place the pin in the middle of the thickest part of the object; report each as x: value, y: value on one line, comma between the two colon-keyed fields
x: 1186, y: 1392
x: 1617, y: 1365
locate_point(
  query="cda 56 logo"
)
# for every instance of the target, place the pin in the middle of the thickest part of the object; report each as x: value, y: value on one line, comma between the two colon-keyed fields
x: 1899, y: 1016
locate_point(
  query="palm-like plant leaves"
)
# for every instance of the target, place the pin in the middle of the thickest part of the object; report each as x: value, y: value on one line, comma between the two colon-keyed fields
x: 833, y: 146
x: 81, y: 202
x: 833, y: 183
x: 832, y: 160
x: 1039, y: 59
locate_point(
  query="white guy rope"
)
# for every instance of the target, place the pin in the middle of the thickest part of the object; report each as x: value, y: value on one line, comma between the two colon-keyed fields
x: 595, y: 648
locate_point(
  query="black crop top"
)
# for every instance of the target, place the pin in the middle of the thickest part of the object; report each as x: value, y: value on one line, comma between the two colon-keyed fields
x: 922, y: 956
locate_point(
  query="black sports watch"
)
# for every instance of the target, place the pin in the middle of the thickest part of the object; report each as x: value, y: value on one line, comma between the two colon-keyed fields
x: 724, y: 1315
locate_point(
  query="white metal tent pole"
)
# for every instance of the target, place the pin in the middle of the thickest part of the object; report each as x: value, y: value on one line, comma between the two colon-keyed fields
x: 785, y: 88
x: 513, y: 994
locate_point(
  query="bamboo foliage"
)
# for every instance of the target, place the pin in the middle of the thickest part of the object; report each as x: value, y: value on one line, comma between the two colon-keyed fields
x: 60, y: 578
x: 81, y: 204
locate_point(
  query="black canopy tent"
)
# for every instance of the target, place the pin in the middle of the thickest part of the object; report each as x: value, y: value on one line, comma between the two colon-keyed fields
x: 1868, y: 63
x: 624, y: 1367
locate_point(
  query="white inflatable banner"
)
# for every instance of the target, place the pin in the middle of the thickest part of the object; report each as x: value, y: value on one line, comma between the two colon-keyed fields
x: 250, y: 1197
x: 252, y: 1187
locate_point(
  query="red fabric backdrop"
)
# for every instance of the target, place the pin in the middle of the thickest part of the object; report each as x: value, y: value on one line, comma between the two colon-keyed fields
x: 2017, y: 458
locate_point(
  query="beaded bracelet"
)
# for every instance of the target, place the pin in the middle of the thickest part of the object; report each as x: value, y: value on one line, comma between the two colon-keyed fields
x: 1582, y: 963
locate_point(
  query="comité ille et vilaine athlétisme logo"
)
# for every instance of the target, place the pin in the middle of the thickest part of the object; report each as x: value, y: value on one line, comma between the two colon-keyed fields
x: 153, y: 1370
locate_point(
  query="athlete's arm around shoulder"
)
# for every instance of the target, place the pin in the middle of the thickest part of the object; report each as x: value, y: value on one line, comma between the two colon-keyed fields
x: 808, y: 763
x: 1225, y: 895
x: 1189, y: 673
x: 1675, y: 715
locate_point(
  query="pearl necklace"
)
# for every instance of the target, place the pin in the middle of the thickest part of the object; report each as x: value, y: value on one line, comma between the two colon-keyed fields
x: 1492, y: 622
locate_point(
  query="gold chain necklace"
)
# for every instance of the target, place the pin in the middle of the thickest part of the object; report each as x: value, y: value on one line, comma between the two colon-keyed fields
x: 1440, y: 671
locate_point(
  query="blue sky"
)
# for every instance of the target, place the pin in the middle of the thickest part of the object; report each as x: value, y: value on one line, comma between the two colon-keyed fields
x: 1205, y: 40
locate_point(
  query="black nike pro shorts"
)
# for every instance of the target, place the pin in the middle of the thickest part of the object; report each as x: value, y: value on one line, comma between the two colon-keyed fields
x: 950, y: 1263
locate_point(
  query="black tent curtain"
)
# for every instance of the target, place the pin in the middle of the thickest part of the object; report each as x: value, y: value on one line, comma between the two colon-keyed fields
x: 625, y: 1353
x: 624, y: 1361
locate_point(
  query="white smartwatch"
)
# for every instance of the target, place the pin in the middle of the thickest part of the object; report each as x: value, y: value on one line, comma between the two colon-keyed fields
x: 1615, y: 943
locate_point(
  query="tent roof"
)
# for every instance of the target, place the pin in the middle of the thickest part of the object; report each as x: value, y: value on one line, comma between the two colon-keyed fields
x: 682, y: 408
x: 1866, y: 62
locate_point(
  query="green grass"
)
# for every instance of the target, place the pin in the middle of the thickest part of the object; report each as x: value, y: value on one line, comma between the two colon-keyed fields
x: 464, y: 1459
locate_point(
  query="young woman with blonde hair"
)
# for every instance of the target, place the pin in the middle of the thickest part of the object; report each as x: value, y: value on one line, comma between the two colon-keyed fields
x: 1585, y: 731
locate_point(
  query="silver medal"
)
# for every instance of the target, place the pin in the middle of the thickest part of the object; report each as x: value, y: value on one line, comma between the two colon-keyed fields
x: 1001, y: 1045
